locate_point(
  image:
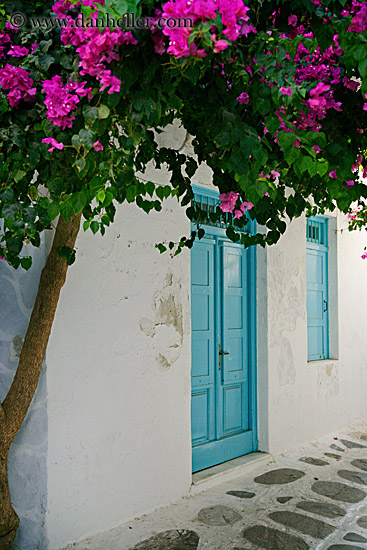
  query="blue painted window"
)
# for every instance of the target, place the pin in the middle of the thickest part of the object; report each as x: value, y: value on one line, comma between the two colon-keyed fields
x: 317, y: 288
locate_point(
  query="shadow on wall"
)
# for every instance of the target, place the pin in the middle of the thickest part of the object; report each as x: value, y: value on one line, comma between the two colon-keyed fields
x: 28, y: 454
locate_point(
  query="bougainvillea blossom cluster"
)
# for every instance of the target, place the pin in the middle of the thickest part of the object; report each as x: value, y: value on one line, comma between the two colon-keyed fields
x: 18, y: 81
x: 228, y: 203
x: 60, y: 102
x: 96, y: 49
x: 233, y: 15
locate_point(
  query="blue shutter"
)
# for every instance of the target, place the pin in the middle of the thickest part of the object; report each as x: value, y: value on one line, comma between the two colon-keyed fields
x: 317, y: 290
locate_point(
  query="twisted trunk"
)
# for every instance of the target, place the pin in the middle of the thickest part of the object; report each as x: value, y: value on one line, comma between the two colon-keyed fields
x: 15, y: 406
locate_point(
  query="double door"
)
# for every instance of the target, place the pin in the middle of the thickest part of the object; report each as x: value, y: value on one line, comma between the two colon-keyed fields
x: 223, y: 412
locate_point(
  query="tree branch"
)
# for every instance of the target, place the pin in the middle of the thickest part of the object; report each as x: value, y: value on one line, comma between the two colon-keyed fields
x: 19, y: 397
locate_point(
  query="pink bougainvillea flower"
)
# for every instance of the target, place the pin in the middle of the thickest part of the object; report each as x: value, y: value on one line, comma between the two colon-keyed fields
x: 349, y: 183
x: 10, y: 27
x: 275, y: 174
x: 60, y: 102
x: 17, y: 51
x: 316, y: 148
x: 364, y: 256
x: 54, y: 144
x: 34, y: 46
x: 237, y: 214
x: 220, y: 45
x: 61, y: 6
x: 110, y: 81
x: 97, y: 146
x: 351, y: 84
x: 228, y: 201
x: 19, y: 83
x: 357, y: 163
x: 292, y: 20
x: 246, y: 205
x: 285, y: 91
x: 243, y: 98
x: 332, y: 174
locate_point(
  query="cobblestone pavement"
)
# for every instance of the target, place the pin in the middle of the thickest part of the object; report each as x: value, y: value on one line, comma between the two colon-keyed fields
x: 311, y: 498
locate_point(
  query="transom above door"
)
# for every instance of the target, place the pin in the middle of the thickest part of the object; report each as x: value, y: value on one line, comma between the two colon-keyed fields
x: 223, y: 302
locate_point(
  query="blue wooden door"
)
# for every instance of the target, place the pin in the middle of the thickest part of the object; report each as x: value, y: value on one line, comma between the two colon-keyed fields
x: 317, y: 303
x: 223, y: 412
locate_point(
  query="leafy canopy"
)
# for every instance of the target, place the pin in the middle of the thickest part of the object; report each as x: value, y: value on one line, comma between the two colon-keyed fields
x: 274, y: 94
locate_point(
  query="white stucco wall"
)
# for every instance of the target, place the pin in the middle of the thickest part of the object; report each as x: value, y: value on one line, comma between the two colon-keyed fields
x: 309, y: 399
x: 119, y: 358
x: 119, y: 378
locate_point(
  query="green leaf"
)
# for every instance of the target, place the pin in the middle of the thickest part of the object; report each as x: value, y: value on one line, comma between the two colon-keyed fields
x: 6, y: 194
x: 360, y: 52
x: 56, y: 186
x: 362, y: 67
x: 313, y: 169
x: 103, y: 111
x: 161, y: 248
x: 323, y: 168
x: 10, y: 211
x: 192, y: 74
x: 87, y: 137
x: 261, y: 155
x: 66, y: 209
x: 75, y: 140
x: 26, y: 262
x: 67, y: 253
x: 79, y: 201
x: 19, y: 175
x: 120, y: 7
x: 263, y: 106
x: 149, y: 187
x: 101, y: 195
x: 80, y: 164
x: 286, y: 139
x: 223, y: 139
x: 29, y: 214
x: 303, y: 163
x: 45, y: 61
x: 291, y: 154
x: 232, y: 234
x: 94, y: 227
x: 90, y: 113
x: 272, y: 123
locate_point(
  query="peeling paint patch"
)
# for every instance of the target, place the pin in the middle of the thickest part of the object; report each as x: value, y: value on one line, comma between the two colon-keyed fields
x: 328, y: 380
x: 147, y: 326
x: 166, y: 329
x: 162, y: 361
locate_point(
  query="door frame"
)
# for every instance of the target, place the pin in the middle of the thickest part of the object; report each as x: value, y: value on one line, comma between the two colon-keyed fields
x: 251, y: 311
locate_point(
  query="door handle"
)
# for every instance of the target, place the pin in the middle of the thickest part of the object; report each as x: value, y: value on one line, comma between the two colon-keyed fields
x: 220, y: 356
x: 325, y: 303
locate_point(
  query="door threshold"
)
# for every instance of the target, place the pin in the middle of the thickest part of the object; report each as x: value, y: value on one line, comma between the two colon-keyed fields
x: 205, y: 479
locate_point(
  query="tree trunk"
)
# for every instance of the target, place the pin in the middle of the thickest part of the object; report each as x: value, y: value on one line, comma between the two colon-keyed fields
x: 15, y: 406
x: 9, y: 520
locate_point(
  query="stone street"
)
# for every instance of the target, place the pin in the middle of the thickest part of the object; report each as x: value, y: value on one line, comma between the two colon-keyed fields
x: 314, y: 497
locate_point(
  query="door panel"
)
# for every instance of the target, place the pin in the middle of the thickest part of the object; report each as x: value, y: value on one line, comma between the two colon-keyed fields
x: 203, y: 341
x: 223, y: 418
